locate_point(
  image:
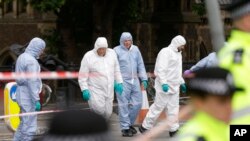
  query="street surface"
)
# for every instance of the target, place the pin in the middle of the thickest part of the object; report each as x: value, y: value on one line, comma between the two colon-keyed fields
x: 43, y: 120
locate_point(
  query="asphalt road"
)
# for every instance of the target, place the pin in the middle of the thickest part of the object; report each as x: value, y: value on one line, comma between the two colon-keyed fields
x: 7, y: 135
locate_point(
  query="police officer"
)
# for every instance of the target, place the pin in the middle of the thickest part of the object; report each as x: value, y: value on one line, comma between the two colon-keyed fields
x: 211, y: 92
x: 235, y: 57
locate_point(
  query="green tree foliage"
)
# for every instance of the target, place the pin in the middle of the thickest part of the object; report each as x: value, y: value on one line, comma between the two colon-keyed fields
x: 51, y: 36
x: 53, y: 41
x: 47, y: 5
x: 132, y: 11
x: 127, y: 12
x: 77, y: 16
x: 199, y: 8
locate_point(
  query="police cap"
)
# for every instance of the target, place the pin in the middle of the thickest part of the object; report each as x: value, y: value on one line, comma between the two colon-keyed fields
x: 238, y: 8
x: 236, y: 4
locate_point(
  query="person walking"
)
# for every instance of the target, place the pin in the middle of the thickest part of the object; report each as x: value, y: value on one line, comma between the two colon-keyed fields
x: 97, y: 75
x: 133, y: 73
x: 168, y: 71
x: 28, y: 89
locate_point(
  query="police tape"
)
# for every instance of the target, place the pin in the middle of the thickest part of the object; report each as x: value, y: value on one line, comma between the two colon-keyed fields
x: 50, y: 75
x: 30, y: 113
x: 42, y: 75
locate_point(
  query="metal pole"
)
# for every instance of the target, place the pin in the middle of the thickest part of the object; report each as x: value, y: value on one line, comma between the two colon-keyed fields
x: 215, y: 24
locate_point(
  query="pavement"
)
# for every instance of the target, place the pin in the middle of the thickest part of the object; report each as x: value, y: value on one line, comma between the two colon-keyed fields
x: 7, y: 135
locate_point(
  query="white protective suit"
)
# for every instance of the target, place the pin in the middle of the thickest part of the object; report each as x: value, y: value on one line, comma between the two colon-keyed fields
x: 97, y: 74
x: 28, y: 89
x: 168, y: 70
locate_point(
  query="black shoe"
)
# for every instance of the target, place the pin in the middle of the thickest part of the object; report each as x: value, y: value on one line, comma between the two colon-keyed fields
x: 127, y: 133
x: 171, y: 134
x: 132, y: 129
x: 142, y: 129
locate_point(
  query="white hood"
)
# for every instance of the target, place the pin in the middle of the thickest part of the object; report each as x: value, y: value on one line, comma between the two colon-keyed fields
x: 177, y: 41
x: 101, y: 42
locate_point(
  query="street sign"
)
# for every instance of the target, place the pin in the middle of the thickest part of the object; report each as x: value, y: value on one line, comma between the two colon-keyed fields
x: 11, y: 106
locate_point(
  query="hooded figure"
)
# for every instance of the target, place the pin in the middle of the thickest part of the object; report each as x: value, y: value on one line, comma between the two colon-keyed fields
x: 132, y: 69
x: 28, y: 89
x: 99, y: 69
x: 168, y: 71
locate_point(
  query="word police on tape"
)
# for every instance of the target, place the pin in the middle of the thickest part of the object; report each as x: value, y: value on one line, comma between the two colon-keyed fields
x: 239, y: 132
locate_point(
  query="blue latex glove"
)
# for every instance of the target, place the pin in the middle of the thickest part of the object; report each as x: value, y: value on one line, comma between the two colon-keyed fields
x: 145, y: 84
x: 38, y: 106
x: 85, y: 94
x: 165, y: 87
x: 183, y: 88
x: 119, y: 88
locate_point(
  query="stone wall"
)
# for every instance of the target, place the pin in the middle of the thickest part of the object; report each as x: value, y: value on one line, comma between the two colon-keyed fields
x: 17, y: 33
x: 152, y: 37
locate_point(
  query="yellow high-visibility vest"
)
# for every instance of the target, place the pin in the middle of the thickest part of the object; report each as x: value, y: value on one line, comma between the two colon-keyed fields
x: 235, y: 56
x: 204, y: 127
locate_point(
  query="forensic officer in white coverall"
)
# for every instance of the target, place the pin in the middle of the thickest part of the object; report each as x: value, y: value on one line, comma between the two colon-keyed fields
x: 168, y: 71
x: 99, y: 74
x: 28, y: 89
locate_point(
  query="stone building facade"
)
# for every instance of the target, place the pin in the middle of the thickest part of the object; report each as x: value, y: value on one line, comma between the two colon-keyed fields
x: 161, y: 21
x: 165, y: 19
x: 19, y: 23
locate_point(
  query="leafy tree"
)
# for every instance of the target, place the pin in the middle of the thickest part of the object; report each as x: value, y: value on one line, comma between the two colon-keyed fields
x: 199, y: 8
x: 88, y: 19
x: 47, y: 5
x: 51, y: 36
